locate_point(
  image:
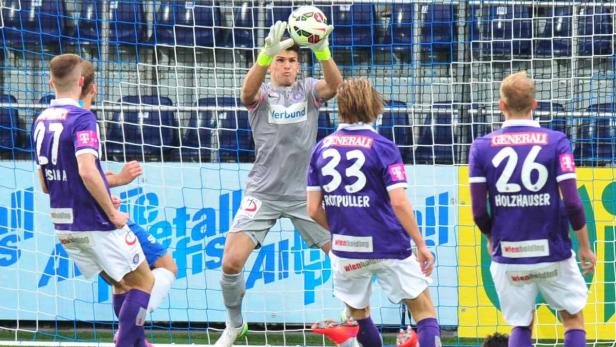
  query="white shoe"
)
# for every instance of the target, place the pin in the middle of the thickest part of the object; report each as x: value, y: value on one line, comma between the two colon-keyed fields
x: 230, y: 334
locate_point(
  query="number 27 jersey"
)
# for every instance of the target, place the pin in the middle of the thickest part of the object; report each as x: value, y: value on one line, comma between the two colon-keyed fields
x: 522, y: 164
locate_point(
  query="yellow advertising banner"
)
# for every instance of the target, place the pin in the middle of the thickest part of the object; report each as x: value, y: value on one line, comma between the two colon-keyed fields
x: 479, y: 313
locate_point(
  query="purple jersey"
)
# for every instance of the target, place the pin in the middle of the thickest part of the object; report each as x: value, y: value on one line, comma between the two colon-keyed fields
x: 522, y: 164
x: 355, y: 168
x: 61, y: 133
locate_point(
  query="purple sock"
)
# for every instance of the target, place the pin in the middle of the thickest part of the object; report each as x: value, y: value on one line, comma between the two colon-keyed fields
x: 118, y: 300
x: 520, y: 337
x: 368, y: 333
x: 428, y: 332
x: 575, y: 338
x: 132, y: 317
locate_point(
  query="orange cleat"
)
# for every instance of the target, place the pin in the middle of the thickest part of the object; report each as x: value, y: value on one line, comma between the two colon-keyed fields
x: 335, y: 331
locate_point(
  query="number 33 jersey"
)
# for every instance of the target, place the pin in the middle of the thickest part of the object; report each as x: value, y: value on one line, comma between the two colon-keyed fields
x: 61, y: 133
x: 354, y: 168
x: 522, y: 164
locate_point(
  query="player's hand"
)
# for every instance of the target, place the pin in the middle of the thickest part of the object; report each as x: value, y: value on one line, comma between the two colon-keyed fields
x: 587, y: 259
x: 129, y: 172
x: 273, y: 45
x: 323, y: 44
x: 425, y: 259
x: 116, y: 201
x: 119, y: 219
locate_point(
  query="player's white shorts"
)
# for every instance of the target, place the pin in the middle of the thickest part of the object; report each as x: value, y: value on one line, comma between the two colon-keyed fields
x: 560, y: 283
x: 400, y: 279
x: 256, y: 217
x: 116, y: 252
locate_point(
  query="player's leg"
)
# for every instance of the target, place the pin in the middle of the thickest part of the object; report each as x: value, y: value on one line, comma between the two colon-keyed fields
x: 567, y: 293
x: 313, y: 234
x: 517, y: 300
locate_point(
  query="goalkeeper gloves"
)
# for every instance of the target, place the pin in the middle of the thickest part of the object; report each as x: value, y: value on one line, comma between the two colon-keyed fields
x: 273, y: 45
x: 321, y: 48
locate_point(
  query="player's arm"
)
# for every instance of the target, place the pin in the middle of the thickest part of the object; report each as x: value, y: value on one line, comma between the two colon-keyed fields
x: 42, y: 181
x: 404, y: 212
x: 315, y: 208
x: 255, y: 77
x: 332, y: 78
x: 94, y: 183
x: 129, y: 172
x: 479, y: 191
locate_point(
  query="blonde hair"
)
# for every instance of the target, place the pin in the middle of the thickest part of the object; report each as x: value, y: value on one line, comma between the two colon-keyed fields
x: 358, y: 101
x: 517, y: 91
x: 87, y: 71
x: 65, y: 71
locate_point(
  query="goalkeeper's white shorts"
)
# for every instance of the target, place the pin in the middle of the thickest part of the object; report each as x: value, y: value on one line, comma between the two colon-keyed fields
x: 399, y: 279
x: 560, y: 283
x: 116, y: 252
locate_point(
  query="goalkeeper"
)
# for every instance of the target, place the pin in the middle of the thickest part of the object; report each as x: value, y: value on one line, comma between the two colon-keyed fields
x: 283, y: 115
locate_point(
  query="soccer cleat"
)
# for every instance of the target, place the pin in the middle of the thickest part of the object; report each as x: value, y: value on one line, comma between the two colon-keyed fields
x: 336, y: 332
x: 406, y: 338
x: 229, y: 335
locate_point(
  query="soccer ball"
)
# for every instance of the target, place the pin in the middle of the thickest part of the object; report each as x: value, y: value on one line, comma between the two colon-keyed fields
x: 307, y: 25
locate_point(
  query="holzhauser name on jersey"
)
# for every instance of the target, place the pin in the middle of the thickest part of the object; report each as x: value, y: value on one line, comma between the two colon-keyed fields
x: 295, y: 113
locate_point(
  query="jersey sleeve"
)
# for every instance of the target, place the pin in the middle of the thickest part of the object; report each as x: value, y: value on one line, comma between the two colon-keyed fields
x: 85, y: 135
x: 312, y: 184
x: 312, y: 96
x: 393, y: 170
x: 263, y: 91
x: 565, y: 166
x: 476, y: 172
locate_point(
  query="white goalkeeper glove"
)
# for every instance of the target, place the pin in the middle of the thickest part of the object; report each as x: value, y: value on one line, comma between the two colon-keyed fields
x: 321, y: 48
x: 273, y: 45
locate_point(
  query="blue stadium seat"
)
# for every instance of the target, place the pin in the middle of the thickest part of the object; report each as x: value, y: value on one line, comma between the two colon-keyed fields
x: 354, y: 25
x: 149, y: 134
x: 233, y: 129
x: 595, y: 29
x: 197, y: 141
x: 550, y: 120
x: 596, y: 137
x: 501, y: 30
x: 436, y: 137
x: 277, y: 11
x: 395, y: 126
x: 126, y: 24
x: 244, y: 23
x: 180, y: 22
x: 555, y: 36
x: 46, y: 99
x: 437, y: 29
x: 9, y: 124
x: 31, y: 22
x: 399, y: 31
x: 325, y: 125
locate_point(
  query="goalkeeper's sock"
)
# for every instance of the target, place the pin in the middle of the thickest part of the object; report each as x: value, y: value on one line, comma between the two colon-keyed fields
x: 428, y: 333
x: 132, y: 318
x: 368, y: 333
x: 118, y: 300
x: 233, y: 289
x: 520, y: 337
x: 575, y: 338
x: 163, y: 279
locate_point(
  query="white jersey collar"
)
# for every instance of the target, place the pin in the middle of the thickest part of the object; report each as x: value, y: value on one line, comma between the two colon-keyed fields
x: 355, y: 126
x: 64, y: 102
x: 521, y: 123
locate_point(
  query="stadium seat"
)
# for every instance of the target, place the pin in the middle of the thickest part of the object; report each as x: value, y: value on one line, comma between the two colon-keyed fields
x: 233, y: 129
x: 595, y: 30
x: 437, y: 30
x: 596, y: 138
x: 32, y: 22
x: 180, y: 22
x: 436, y: 137
x: 395, y: 126
x: 500, y: 31
x: 544, y: 115
x: 198, y: 141
x: 354, y: 25
x: 325, y: 125
x: 126, y: 23
x: 555, y: 37
x: 277, y: 11
x: 243, y: 33
x: 399, y: 31
x: 9, y: 124
x: 150, y: 134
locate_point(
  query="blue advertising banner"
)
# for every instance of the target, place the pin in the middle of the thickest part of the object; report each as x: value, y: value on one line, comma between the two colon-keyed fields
x: 189, y: 208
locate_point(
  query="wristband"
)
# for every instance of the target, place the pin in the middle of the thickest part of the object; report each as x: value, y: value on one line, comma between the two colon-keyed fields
x: 264, y: 59
x: 323, y: 54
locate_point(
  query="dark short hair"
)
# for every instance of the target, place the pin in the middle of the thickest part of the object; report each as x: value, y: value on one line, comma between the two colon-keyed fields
x: 496, y: 340
x: 87, y: 71
x: 294, y: 48
x: 62, y: 68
